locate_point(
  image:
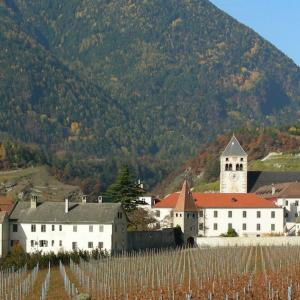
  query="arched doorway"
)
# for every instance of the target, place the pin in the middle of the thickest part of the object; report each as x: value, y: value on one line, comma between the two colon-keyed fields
x: 190, y: 241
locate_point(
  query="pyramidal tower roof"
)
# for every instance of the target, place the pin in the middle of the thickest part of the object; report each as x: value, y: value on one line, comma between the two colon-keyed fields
x: 185, y: 201
x: 234, y: 148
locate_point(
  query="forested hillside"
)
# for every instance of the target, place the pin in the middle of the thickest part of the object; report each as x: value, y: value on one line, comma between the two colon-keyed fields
x: 146, y: 82
x: 203, y: 170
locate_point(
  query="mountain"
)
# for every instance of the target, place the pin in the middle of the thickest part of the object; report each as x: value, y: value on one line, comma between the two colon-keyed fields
x: 268, y: 149
x: 142, y: 82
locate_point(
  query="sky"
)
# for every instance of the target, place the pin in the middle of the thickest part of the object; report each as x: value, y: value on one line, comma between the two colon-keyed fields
x: 278, y: 21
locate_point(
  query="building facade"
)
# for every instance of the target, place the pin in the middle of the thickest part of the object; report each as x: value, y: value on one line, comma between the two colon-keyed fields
x: 233, y: 168
x: 58, y: 226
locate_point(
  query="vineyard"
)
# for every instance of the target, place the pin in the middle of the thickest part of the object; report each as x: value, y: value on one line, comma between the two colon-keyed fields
x: 207, y: 273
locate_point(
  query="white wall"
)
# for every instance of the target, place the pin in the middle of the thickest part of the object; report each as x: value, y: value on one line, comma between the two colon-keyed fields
x: 237, y: 221
x: 164, y: 216
x: 67, y: 236
x: 248, y: 241
x: 292, y: 209
x: 4, y: 237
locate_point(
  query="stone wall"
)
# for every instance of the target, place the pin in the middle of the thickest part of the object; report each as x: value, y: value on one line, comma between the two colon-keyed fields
x: 248, y: 241
x: 142, y: 240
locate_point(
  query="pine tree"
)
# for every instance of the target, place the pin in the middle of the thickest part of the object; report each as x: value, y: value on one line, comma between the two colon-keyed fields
x: 124, y: 190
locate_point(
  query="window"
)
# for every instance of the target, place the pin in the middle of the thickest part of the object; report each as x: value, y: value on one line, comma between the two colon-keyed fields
x: 32, y: 243
x: 215, y: 213
x: 258, y: 214
x: 193, y: 216
x: 43, y: 228
x: 230, y: 214
x: 33, y: 228
x: 176, y: 214
x: 74, y: 228
x: 201, y: 213
x: 215, y: 226
x: 100, y: 245
x: 60, y: 243
x: 90, y: 244
x: 242, y: 159
x: 227, y: 159
x: 188, y: 215
x: 74, y: 245
x: 14, y: 242
x: 296, y: 215
x: 120, y: 215
x: 91, y: 228
x: 237, y: 167
x: 201, y: 226
x: 241, y: 167
x: 53, y: 227
x: 286, y: 203
x: 296, y: 203
x: 101, y: 228
x: 15, y: 228
x: 226, y: 167
x: 60, y: 227
x: 157, y: 213
x: 180, y: 215
x: 272, y: 227
x: 244, y: 214
x: 244, y: 226
x: 229, y: 226
x: 272, y: 214
x: 52, y: 243
x: 43, y: 243
x: 258, y: 227
x: 230, y: 167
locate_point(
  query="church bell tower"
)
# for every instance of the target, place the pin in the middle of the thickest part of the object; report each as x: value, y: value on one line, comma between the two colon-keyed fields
x: 233, y: 168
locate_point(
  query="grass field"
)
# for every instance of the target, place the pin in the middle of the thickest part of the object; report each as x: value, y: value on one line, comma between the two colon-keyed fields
x: 39, y: 181
x: 279, y: 162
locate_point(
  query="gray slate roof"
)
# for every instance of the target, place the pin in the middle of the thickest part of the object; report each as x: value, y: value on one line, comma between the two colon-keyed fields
x: 234, y: 148
x: 257, y: 179
x: 54, y: 212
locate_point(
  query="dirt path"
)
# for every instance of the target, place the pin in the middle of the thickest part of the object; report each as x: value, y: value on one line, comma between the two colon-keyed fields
x: 37, y: 287
x: 56, y: 287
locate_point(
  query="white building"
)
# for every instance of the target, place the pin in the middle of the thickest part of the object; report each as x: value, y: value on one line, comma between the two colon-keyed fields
x: 247, y: 214
x: 287, y: 196
x: 59, y: 226
x: 4, y: 233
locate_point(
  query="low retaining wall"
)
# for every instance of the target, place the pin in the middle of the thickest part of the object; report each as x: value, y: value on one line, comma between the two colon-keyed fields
x: 142, y: 240
x: 248, y: 241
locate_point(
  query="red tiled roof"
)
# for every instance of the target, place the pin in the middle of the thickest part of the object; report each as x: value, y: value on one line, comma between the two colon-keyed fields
x: 6, y: 204
x: 220, y: 200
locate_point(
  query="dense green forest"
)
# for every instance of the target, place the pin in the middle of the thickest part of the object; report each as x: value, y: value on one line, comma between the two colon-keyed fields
x: 100, y: 83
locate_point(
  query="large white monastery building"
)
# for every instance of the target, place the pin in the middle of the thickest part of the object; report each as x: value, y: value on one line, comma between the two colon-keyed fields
x: 59, y: 226
x: 233, y: 208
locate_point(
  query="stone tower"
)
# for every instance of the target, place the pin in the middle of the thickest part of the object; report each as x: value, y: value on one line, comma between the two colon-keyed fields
x: 233, y: 168
x: 186, y: 215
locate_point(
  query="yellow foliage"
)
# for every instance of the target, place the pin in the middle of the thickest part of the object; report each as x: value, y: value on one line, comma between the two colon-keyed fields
x: 176, y: 23
x: 75, y: 127
x: 2, y: 152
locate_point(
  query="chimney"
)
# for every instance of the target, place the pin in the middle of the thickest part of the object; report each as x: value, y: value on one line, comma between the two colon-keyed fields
x: 140, y: 184
x: 33, y: 201
x: 273, y: 189
x: 66, y: 205
x: 99, y: 199
x: 83, y: 198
